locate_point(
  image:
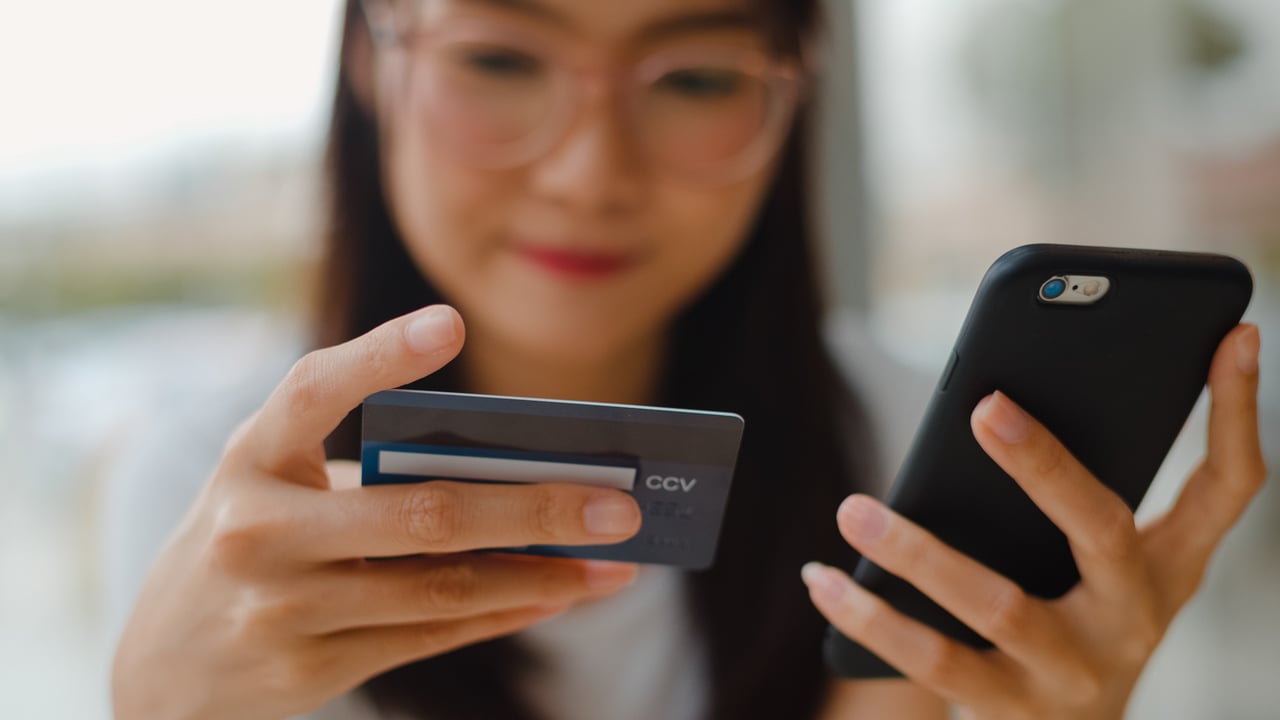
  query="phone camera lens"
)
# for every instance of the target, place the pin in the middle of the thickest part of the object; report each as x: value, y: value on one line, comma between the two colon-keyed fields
x: 1053, y: 289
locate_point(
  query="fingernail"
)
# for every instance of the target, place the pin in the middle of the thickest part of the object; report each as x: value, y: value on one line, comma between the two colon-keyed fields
x: 824, y: 582
x: 1004, y: 418
x: 982, y: 406
x: 610, y: 516
x: 863, y: 516
x: 603, y: 576
x: 1248, y: 345
x: 433, y: 329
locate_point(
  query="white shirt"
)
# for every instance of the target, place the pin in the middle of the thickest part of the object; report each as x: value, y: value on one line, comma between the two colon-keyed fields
x: 663, y: 671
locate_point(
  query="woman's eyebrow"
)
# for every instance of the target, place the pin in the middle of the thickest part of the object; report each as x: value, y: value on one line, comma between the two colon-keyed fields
x: 658, y: 29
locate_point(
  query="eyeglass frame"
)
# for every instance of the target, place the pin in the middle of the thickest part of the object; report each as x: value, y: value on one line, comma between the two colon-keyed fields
x: 788, y: 82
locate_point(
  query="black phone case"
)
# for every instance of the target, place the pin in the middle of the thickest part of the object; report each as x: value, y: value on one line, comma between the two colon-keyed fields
x: 1114, y: 381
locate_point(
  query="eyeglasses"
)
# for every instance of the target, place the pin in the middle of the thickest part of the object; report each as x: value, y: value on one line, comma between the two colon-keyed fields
x: 501, y: 96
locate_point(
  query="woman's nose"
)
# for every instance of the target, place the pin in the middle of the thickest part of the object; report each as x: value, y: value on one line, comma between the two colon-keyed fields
x: 597, y: 166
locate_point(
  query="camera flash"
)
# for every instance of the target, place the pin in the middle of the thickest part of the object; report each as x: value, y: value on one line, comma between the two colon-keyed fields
x: 1090, y: 288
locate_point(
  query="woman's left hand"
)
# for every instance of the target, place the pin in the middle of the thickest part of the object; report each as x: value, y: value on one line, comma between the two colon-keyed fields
x: 1078, y: 656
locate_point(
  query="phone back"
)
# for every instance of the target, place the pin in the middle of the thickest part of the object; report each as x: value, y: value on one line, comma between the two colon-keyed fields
x: 1114, y: 381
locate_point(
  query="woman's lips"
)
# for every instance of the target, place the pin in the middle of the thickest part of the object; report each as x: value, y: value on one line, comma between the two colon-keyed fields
x: 576, y: 263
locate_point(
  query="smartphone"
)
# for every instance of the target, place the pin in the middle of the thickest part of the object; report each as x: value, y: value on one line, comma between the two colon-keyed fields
x: 1109, y: 348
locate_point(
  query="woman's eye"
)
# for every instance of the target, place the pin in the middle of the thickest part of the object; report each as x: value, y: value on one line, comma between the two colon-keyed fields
x: 506, y: 63
x: 701, y: 82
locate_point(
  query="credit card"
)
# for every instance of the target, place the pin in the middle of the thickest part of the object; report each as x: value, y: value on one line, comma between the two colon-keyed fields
x: 677, y: 464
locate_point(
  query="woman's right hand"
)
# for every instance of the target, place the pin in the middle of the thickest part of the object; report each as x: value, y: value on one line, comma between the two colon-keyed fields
x: 261, y: 605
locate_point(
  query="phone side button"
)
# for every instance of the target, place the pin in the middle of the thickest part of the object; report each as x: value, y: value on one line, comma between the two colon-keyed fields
x: 948, y: 372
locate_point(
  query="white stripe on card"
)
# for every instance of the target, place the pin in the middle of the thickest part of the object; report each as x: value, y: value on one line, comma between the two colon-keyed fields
x: 470, y: 467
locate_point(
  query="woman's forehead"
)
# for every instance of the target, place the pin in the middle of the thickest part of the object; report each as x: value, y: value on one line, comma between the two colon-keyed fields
x: 629, y: 21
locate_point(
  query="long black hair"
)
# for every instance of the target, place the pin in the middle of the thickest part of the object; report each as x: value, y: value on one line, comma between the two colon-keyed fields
x: 750, y: 344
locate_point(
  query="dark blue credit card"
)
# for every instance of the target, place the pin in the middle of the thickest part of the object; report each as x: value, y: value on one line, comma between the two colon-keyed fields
x: 678, y: 464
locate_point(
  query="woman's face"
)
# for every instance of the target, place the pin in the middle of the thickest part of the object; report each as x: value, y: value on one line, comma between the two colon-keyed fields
x: 587, y: 250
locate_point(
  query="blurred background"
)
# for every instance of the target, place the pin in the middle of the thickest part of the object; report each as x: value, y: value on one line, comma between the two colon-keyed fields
x: 160, y: 211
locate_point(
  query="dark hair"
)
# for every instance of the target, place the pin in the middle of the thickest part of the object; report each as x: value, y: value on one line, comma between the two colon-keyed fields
x: 751, y: 344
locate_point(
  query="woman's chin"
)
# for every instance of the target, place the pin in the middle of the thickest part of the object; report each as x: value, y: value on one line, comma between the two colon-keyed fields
x: 584, y: 345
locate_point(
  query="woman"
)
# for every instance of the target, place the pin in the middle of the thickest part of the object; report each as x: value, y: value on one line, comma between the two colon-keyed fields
x: 612, y: 196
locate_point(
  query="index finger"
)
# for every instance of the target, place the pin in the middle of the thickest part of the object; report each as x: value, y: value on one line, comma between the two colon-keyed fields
x: 324, y: 385
x: 1098, y: 525
x: 446, y: 516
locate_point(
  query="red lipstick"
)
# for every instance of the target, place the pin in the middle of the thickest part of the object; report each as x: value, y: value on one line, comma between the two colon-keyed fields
x: 576, y: 263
